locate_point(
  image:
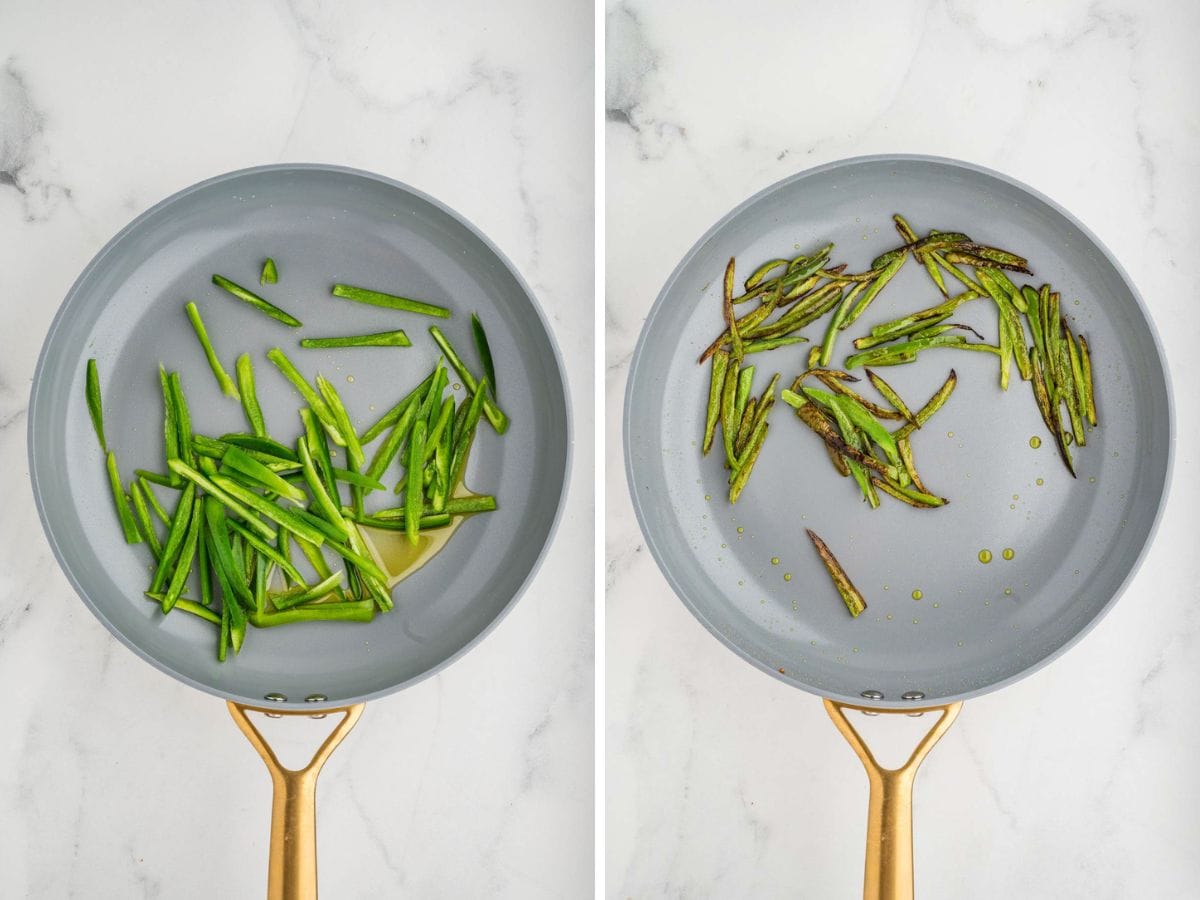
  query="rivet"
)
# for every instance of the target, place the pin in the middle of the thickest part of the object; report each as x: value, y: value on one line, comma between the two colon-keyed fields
x: 275, y: 698
x: 913, y: 695
x: 316, y: 698
x: 872, y: 695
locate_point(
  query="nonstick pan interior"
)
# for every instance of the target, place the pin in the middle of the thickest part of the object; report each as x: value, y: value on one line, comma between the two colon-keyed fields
x: 749, y: 573
x: 322, y: 225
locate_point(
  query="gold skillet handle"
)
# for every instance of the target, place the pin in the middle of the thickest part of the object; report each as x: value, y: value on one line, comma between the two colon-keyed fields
x: 889, y: 868
x: 292, y: 871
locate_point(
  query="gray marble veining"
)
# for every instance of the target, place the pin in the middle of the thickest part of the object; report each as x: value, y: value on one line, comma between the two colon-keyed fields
x: 114, y: 780
x: 1077, y: 781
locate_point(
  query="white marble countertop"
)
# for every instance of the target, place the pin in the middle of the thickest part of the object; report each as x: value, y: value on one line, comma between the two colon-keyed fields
x: 116, y: 781
x: 1079, y: 781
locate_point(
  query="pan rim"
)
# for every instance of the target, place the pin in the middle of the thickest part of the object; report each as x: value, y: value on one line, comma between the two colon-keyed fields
x: 659, y: 553
x: 97, y: 261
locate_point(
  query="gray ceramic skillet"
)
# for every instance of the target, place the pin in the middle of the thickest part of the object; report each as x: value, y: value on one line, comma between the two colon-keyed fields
x: 749, y: 573
x: 1076, y: 542
x: 321, y: 224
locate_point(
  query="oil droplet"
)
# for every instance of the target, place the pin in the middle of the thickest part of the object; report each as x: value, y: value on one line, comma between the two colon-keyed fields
x: 723, y: 546
x: 949, y: 434
x: 350, y: 379
x: 1008, y: 592
x: 853, y: 649
x: 1076, y: 302
x: 741, y: 530
x: 960, y: 643
x: 886, y: 588
x: 1035, y: 442
x: 914, y: 621
x: 985, y: 556
x: 371, y: 407
x: 787, y: 576
x: 937, y: 605
x: 1115, y: 453
x: 917, y: 595
x: 774, y: 560
x: 1016, y: 496
x: 397, y: 557
x: 889, y: 615
x: 1092, y: 480
x: 987, y: 602
x: 456, y: 386
x: 1008, y: 553
x: 740, y: 583
x: 1040, y: 482
x: 1012, y: 506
